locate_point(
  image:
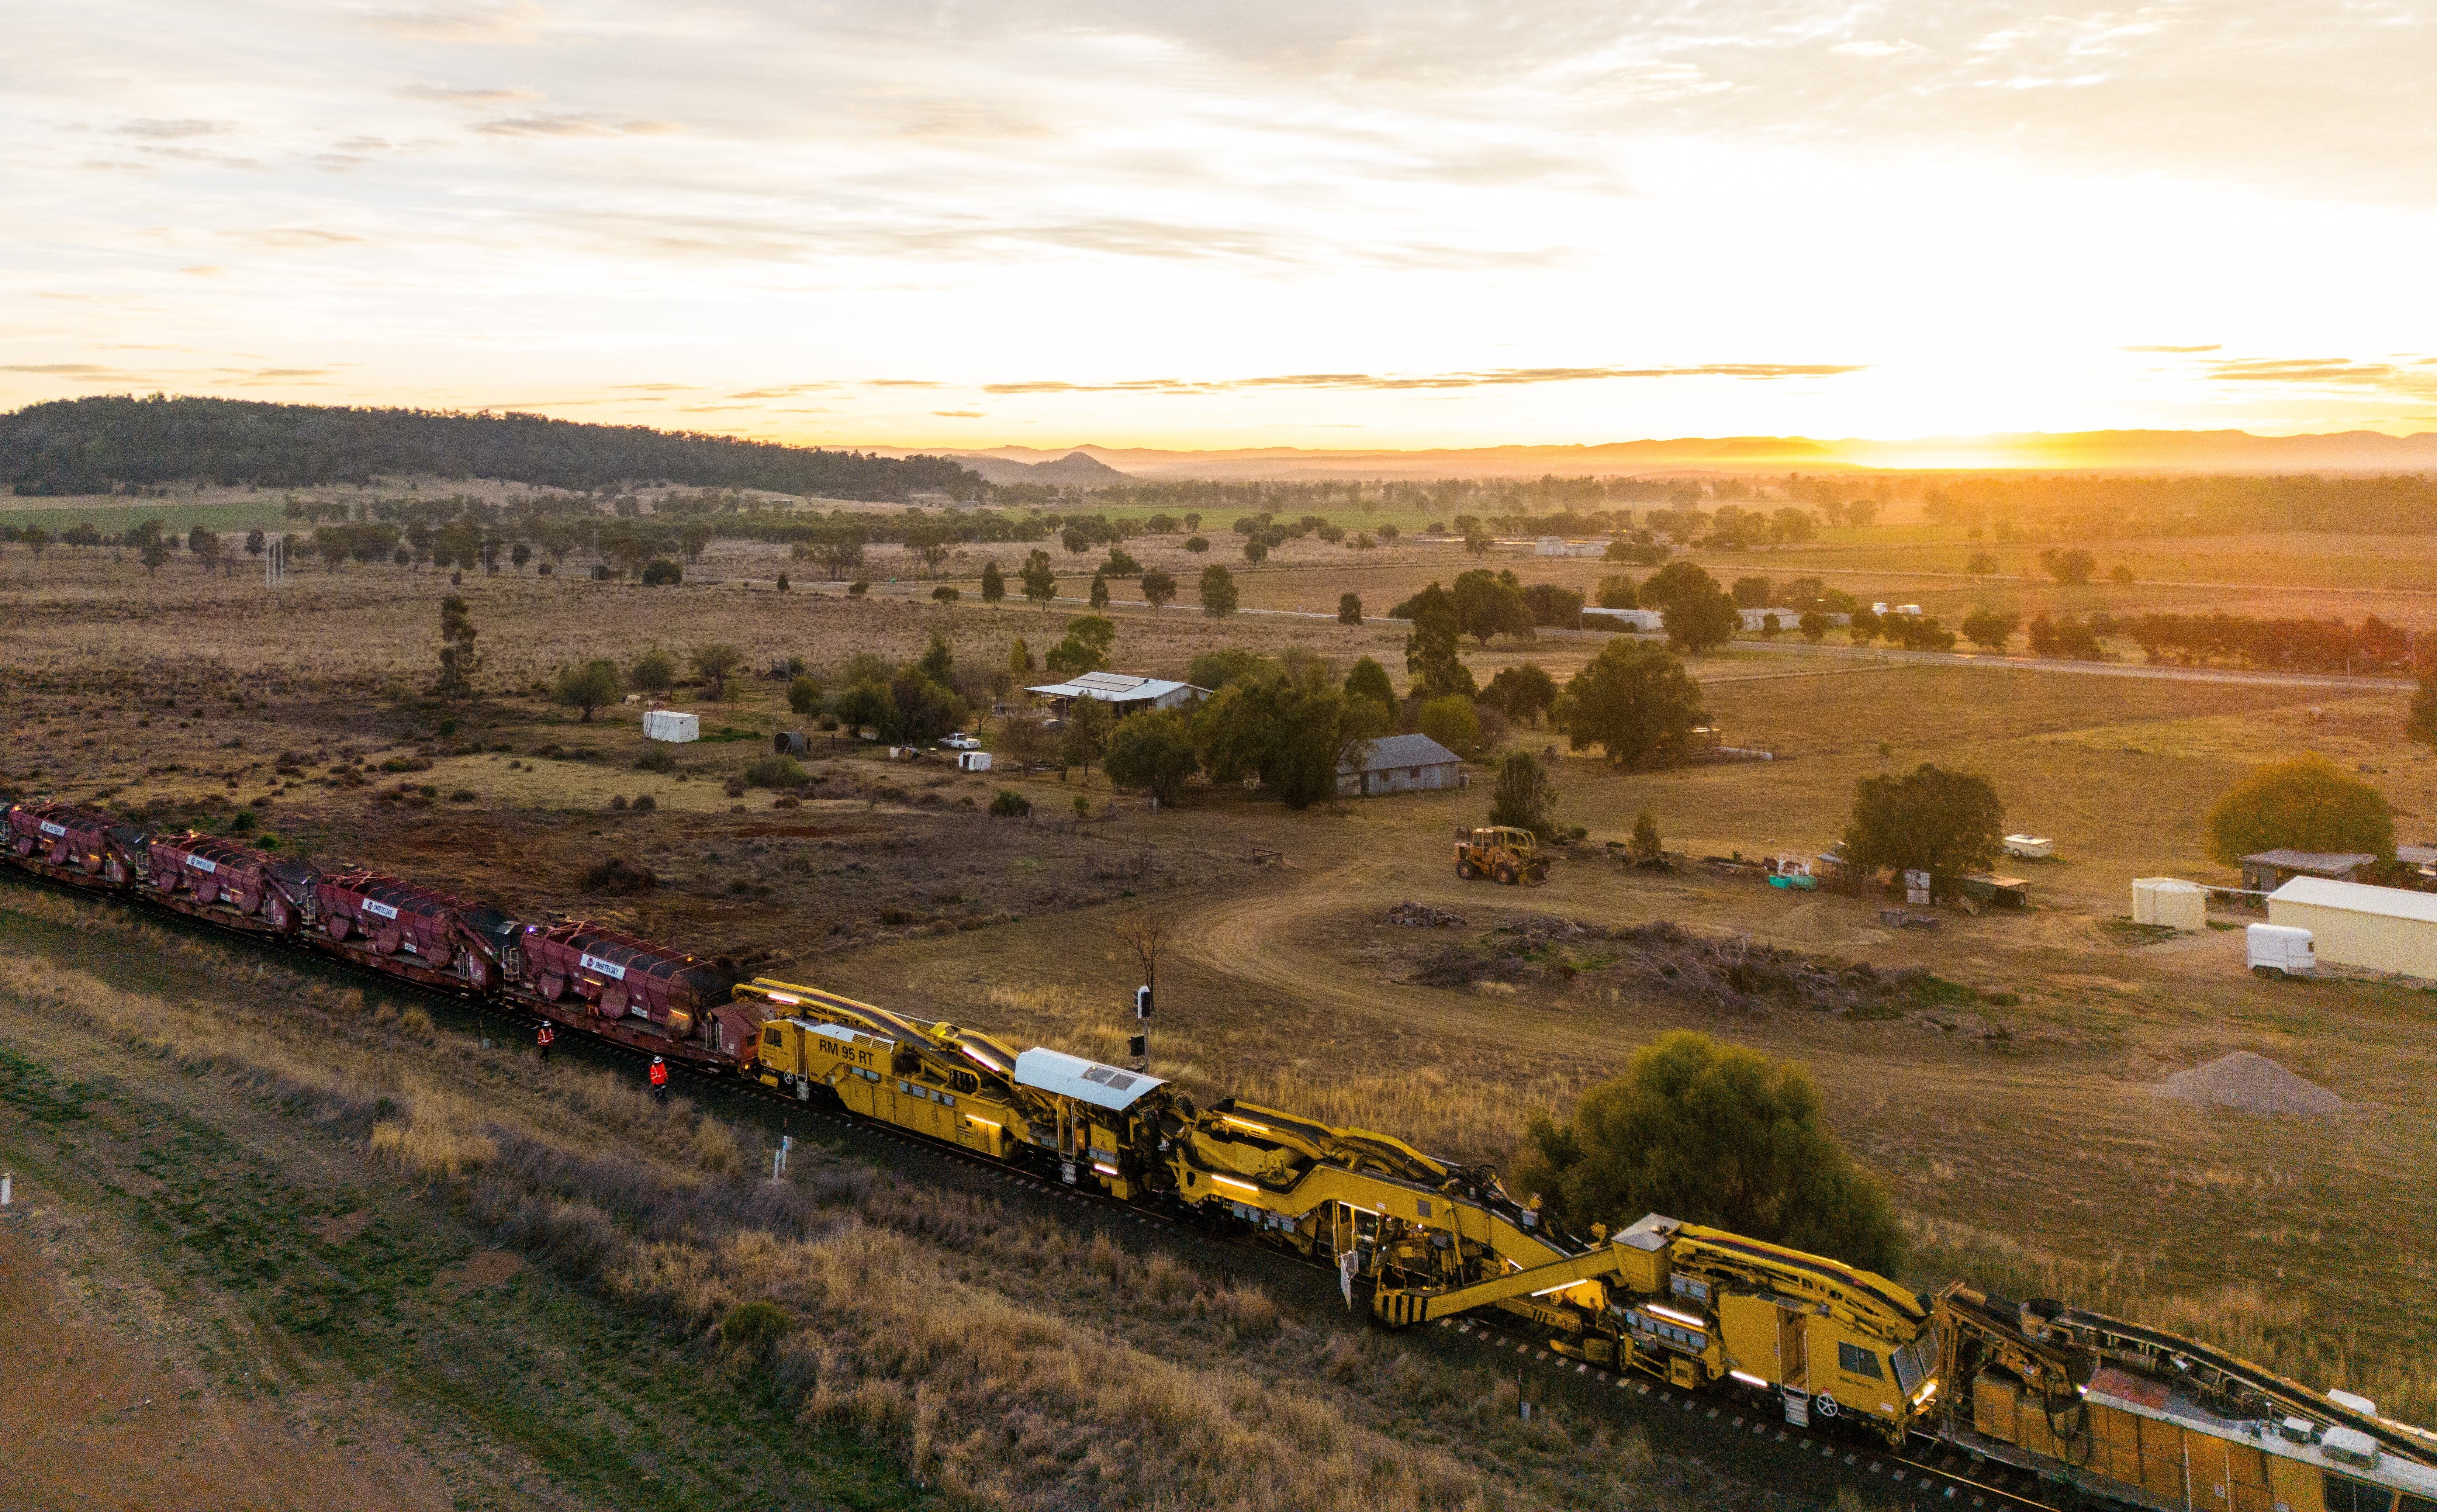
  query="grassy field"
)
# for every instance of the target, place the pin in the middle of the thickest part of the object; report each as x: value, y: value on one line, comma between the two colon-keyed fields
x: 2014, y: 1114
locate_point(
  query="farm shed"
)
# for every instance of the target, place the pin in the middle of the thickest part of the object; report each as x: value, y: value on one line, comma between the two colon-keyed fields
x: 1992, y: 892
x: 2270, y: 870
x: 1124, y: 695
x: 2379, y: 929
x: 1401, y: 764
x: 2171, y: 902
x: 1636, y: 622
x: 1559, y: 546
x: 667, y: 724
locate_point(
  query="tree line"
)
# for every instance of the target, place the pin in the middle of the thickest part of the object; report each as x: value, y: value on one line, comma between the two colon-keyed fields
x: 2099, y: 508
x: 95, y: 444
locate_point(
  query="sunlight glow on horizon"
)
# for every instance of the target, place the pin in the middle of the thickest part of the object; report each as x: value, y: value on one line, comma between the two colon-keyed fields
x: 1072, y: 224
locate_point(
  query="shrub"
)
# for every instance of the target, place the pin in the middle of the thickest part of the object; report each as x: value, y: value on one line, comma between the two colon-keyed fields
x: 661, y: 572
x: 734, y: 787
x: 1523, y: 797
x: 655, y: 671
x: 656, y: 760
x: 2302, y: 804
x: 586, y: 687
x: 646, y: 804
x: 857, y: 589
x: 775, y: 771
x: 619, y: 876
x: 1450, y: 720
x: 754, y: 1328
x: 462, y: 795
x: 1929, y: 820
x: 1010, y: 804
x: 804, y: 696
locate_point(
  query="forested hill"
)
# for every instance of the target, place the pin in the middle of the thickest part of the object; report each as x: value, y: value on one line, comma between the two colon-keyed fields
x: 86, y: 446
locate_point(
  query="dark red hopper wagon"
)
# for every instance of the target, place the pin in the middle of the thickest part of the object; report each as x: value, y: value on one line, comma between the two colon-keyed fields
x: 221, y: 873
x: 621, y: 977
x: 420, y: 930
x: 66, y: 836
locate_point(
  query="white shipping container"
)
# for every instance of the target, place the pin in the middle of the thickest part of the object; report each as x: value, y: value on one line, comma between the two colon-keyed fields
x: 667, y: 724
x: 973, y: 760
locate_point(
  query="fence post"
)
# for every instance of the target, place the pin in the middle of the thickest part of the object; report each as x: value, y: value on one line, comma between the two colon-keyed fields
x: 7, y: 1180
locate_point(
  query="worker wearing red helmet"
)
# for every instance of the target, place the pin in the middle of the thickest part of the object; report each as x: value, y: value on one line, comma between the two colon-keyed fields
x: 659, y: 1080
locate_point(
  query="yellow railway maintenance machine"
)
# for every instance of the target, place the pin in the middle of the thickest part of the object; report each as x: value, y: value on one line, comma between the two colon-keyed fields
x: 2154, y: 1420
x: 1694, y: 1305
x: 1088, y: 1121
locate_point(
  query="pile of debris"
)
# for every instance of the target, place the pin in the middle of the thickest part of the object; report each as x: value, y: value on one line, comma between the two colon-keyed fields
x: 1422, y: 916
x: 1736, y: 973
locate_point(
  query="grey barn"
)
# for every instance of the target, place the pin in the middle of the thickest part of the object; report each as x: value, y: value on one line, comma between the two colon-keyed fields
x: 1401, y: 764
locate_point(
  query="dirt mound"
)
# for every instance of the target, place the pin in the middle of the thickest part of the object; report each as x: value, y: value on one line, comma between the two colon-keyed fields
x: 2252, y: 1082
x: 1808, y: 921
x: 1422, y: 916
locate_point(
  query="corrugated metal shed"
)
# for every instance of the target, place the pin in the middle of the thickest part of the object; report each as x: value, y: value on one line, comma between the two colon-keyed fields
x: 2381, y: 929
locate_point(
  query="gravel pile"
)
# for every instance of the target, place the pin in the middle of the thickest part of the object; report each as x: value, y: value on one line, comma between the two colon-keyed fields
x: 2252, y: 1084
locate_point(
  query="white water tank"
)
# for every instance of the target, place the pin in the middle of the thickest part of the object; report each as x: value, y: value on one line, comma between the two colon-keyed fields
x: 667, y: 724
x: 2171, y: 902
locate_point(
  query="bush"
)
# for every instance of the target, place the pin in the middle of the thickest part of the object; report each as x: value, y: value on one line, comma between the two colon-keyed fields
x: 656, y: 760
x: 1523, y: 797
x: 661, y: 572
x: 857, y: 589
x: 1450, y: 720
x: 646, y: 804
x: 804, y: 696
x: 1712, y: 1135
x: 1010, y: 804
x: 1929, y: 820
x: 776, y: 771
x: 753, y: 1327
x: 619, y: 875
x: 2303, y: 804
x: 783, y: 584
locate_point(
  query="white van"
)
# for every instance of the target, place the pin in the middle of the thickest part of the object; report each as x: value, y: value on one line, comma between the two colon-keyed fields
x: 2280, y: 950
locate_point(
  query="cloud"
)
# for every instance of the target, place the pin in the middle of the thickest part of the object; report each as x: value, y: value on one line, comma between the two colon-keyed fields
x: 2336, y: 373
x: 1496, y: 377
x: 2213, y: 346
x: 959, y: 414
x: 541, y: 123
x: 160, y: 131
x: 651, y: 388
x: 1876, y: 49
x: 787, y: 391
x: 901, y: 383
x: 204, y: 269
x: 59, y: 369
x: 293, y: 236
x: 514, y: 21
x: 444, y: 95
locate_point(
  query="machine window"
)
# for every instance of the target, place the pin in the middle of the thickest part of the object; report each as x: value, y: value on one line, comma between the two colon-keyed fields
x: 2417, y: 1503
x: 1854, y: 1362
x: 770, y: 1038
x: 2347, y: 1495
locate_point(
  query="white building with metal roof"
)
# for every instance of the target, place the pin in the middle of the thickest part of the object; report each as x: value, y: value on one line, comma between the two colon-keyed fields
x: 1124, y: 694
x: 1401, y: 764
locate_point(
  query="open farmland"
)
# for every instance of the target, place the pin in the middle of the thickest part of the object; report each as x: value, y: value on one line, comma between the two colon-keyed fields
x: 2009, y: 1104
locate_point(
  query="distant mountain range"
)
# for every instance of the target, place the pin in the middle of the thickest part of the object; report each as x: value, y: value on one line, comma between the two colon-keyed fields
x: 1076, y: 469
x: 2209, y: 451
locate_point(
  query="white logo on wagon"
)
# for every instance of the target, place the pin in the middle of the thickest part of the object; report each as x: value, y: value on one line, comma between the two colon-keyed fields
x: 201, y: 865
x: 607, y: 968
x: 376, y: 906
x: 49, y: 828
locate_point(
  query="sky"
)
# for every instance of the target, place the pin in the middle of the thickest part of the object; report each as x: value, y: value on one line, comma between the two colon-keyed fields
x: 909, y: 223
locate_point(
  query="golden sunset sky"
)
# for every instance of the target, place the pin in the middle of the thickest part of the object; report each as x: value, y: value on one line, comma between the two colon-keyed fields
x: 1409, y: 224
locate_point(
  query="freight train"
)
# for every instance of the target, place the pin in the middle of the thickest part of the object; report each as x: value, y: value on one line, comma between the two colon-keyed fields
x: 2104, y: 1408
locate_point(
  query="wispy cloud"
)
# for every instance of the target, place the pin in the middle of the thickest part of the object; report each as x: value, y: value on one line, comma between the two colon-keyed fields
x: 1498, y: 377
x: 958, y: 415
x: 160, y: 131
x: 551, y: 123
x: 2324, y: 372
x: 2212, y: 347
x: 444, y: 94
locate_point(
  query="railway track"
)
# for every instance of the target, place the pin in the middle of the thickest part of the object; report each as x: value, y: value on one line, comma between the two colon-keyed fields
x: 1717, y: 1430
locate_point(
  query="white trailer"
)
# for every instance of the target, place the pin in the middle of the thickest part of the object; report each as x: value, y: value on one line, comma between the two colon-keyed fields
x: 2280, y: 950
x: 973, y: 760
x: 667, y: 724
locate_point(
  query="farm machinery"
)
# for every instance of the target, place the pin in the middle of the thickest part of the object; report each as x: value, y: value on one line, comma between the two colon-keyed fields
x: 1503, y: 854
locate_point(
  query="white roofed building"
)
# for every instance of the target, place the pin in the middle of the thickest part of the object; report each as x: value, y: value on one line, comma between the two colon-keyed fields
x: 1124, y: 694
x: 2392, y: 930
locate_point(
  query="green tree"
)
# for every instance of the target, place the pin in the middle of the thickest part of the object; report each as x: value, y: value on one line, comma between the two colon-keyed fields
x: 715, y: 663
x: 929, y: 544
x: 1700, y: 622
x: 655, y: 671
x: 1814, y: 626
x: 1928, y: 819
x: 804, y: 697
x: 1645, y: 845
x: 1019, y: 658
x: 1433, y: 667
x: 1635, y: 702
x: 867, y: 703
x: 1100, y: 591
x: 2071, y: 568
x: 1370, y: 680
x: 661, y: 572
x: 1197, y: 544
x: 1088, y: 640
x: 1617, y: 591
x: 2302, y: 805
x: 1089, y: 724
x: 1523, y: 797
x: 1217, y: 591
x: 2420, y: 724
x: 1752, y: 592
x: 1256, y: 551
x: 1158, y: 588
x: 994, y: 584
x: 1522, y: 693
x: 1450, y: 720
x: 1983, y: 564
x: 1712, y: 1135
x: 2120, y: 574
x: 1349, y: 609
x: 154, y: 552
x: 587, y: 686
x: 1153, y: 751
x: 1986, y: 628
x: 939, y: 659
x: 946, y: 594
x: 1039, y: 579
x: 459, y: 661
x: 1489, y: 603
x: 1293, y: 735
